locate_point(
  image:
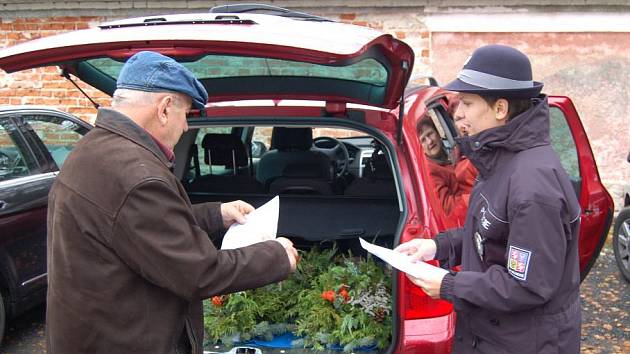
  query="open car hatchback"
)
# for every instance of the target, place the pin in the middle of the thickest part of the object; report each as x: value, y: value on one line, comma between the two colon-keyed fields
x: 310, y: 109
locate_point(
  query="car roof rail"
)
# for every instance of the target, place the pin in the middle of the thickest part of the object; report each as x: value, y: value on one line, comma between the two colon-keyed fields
x: 267, y: 9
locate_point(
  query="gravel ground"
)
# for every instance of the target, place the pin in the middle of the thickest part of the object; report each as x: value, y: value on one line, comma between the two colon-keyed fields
x: 605, y: 307
x: 605, y: 315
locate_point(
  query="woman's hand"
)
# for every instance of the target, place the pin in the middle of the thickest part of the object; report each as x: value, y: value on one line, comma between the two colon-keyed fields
x: 420, y: 249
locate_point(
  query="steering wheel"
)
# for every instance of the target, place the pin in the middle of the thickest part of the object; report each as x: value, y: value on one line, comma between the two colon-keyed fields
x: 338, y: 153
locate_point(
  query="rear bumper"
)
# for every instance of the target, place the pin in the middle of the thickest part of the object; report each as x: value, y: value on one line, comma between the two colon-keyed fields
x: 429, y: 335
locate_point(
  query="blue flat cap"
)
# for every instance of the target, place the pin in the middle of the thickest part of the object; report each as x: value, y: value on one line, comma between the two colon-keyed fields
x: 154, y: 72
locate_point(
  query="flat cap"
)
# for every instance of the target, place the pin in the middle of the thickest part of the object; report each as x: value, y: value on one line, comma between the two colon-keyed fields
x: 154, y: 72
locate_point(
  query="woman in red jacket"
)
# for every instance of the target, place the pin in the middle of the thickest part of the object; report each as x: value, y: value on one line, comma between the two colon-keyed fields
x: 443, y: 173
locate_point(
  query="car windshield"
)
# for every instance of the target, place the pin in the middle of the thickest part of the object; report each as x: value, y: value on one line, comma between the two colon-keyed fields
x: 368, y: 71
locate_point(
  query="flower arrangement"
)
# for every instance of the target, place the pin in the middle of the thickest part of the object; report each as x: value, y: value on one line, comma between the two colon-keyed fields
x: 331, y: 301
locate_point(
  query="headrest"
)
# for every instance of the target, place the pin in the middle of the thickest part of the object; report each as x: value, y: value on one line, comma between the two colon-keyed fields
x: 377, y: 167
x: 284, y: 139
x: 224, y: 150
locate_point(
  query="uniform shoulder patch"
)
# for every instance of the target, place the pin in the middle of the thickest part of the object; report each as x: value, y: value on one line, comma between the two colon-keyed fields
x: 518, y: 262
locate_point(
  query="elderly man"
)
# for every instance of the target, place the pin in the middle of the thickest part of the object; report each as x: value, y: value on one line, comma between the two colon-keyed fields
x: 129, y: 257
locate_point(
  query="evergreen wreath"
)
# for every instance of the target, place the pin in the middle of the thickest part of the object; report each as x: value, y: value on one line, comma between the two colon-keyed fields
x: 330, y: 301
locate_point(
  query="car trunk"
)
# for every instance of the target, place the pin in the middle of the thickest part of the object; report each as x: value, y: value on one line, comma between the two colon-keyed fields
x: 328, y: 222
x: 262, y: 57
x: 322, y: 224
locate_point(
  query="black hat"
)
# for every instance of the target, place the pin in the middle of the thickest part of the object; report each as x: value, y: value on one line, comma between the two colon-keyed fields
x: 499, y: 71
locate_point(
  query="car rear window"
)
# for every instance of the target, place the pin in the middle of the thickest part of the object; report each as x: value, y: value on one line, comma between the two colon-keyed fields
x: 367, y: 71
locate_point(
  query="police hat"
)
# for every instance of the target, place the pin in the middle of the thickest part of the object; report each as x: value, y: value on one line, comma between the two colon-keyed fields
x: 499, y: 71
x: 154, y: 72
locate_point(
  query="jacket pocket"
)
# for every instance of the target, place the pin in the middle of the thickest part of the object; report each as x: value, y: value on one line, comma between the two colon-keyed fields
x: 559, y: 332
x: 546, y: 335
x: 504, y: 333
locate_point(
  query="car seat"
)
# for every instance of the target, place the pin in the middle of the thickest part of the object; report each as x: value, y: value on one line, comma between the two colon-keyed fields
x: 229, y: 151
x: 291, y: 166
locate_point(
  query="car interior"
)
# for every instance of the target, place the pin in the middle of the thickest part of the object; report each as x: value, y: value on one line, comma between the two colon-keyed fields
x: 337, y: 186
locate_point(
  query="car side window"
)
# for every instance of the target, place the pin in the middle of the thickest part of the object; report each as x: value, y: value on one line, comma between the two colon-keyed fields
x: 58, y: 134
x: 263, y: 136
x: 563, y: 143
x: 13, y: 164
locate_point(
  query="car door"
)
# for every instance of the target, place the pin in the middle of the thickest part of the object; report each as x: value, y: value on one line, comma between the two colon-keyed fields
x: 24, y: 185
x: 45, y: 138
x: 571, y: 143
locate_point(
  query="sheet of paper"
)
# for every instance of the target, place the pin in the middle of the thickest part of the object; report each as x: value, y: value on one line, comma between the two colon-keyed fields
x: 261, y: 225
x: 398, y: 260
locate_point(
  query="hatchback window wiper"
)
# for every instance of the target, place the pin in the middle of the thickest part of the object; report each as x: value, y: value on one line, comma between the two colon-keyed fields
x: 267, y: 9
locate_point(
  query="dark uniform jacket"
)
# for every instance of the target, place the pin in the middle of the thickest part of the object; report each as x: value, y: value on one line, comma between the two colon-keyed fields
x: 518, y: 291
x: 129, y: 257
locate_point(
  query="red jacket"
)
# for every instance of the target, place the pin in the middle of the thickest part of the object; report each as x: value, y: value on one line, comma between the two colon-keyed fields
x: 453, y: 198
x: 466, y: 175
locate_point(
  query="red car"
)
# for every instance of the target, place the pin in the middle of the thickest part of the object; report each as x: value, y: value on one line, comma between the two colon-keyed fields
x: 310, y: 109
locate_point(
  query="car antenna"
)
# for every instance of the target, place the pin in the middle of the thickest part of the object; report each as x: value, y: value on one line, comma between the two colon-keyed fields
x: 64, y: 73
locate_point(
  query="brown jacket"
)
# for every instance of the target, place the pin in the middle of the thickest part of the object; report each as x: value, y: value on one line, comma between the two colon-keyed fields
x: 129, y: 257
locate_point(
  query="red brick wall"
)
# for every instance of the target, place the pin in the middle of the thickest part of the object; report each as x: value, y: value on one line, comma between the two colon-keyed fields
x: 44, y: 86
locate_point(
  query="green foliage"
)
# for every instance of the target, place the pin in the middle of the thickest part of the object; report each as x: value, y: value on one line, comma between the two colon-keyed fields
x: 329, y: 300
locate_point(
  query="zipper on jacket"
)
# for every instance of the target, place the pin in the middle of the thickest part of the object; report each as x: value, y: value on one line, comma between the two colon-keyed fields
x: 191, y: 336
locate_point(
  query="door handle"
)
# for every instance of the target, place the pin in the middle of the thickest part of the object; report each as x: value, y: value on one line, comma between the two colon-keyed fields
x: 2, y: 204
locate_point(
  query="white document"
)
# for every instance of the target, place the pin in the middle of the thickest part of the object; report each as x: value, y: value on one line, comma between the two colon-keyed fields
x: 261, y: 225
x: 398, y: 260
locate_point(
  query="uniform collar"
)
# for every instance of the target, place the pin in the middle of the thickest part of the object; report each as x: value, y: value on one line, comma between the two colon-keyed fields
x: 525, y: 131
x: 120, y: 124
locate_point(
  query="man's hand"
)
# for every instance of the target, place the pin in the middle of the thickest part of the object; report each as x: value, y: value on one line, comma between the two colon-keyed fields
x: 420, y: 249
x: 431, y: 281
x: 291, y: 251
x: 235, y: 212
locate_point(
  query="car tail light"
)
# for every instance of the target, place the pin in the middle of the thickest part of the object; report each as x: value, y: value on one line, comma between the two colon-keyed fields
x: 416, y: 304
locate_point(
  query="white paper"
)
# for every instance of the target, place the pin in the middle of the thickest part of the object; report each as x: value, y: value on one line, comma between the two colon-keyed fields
x: 261, y: 225
x: 398, y: 260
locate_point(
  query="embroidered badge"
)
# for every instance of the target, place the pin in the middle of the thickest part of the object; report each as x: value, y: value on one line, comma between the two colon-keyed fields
x: 518, y: 262
x: 479, y: 241
x: 484, y: 221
